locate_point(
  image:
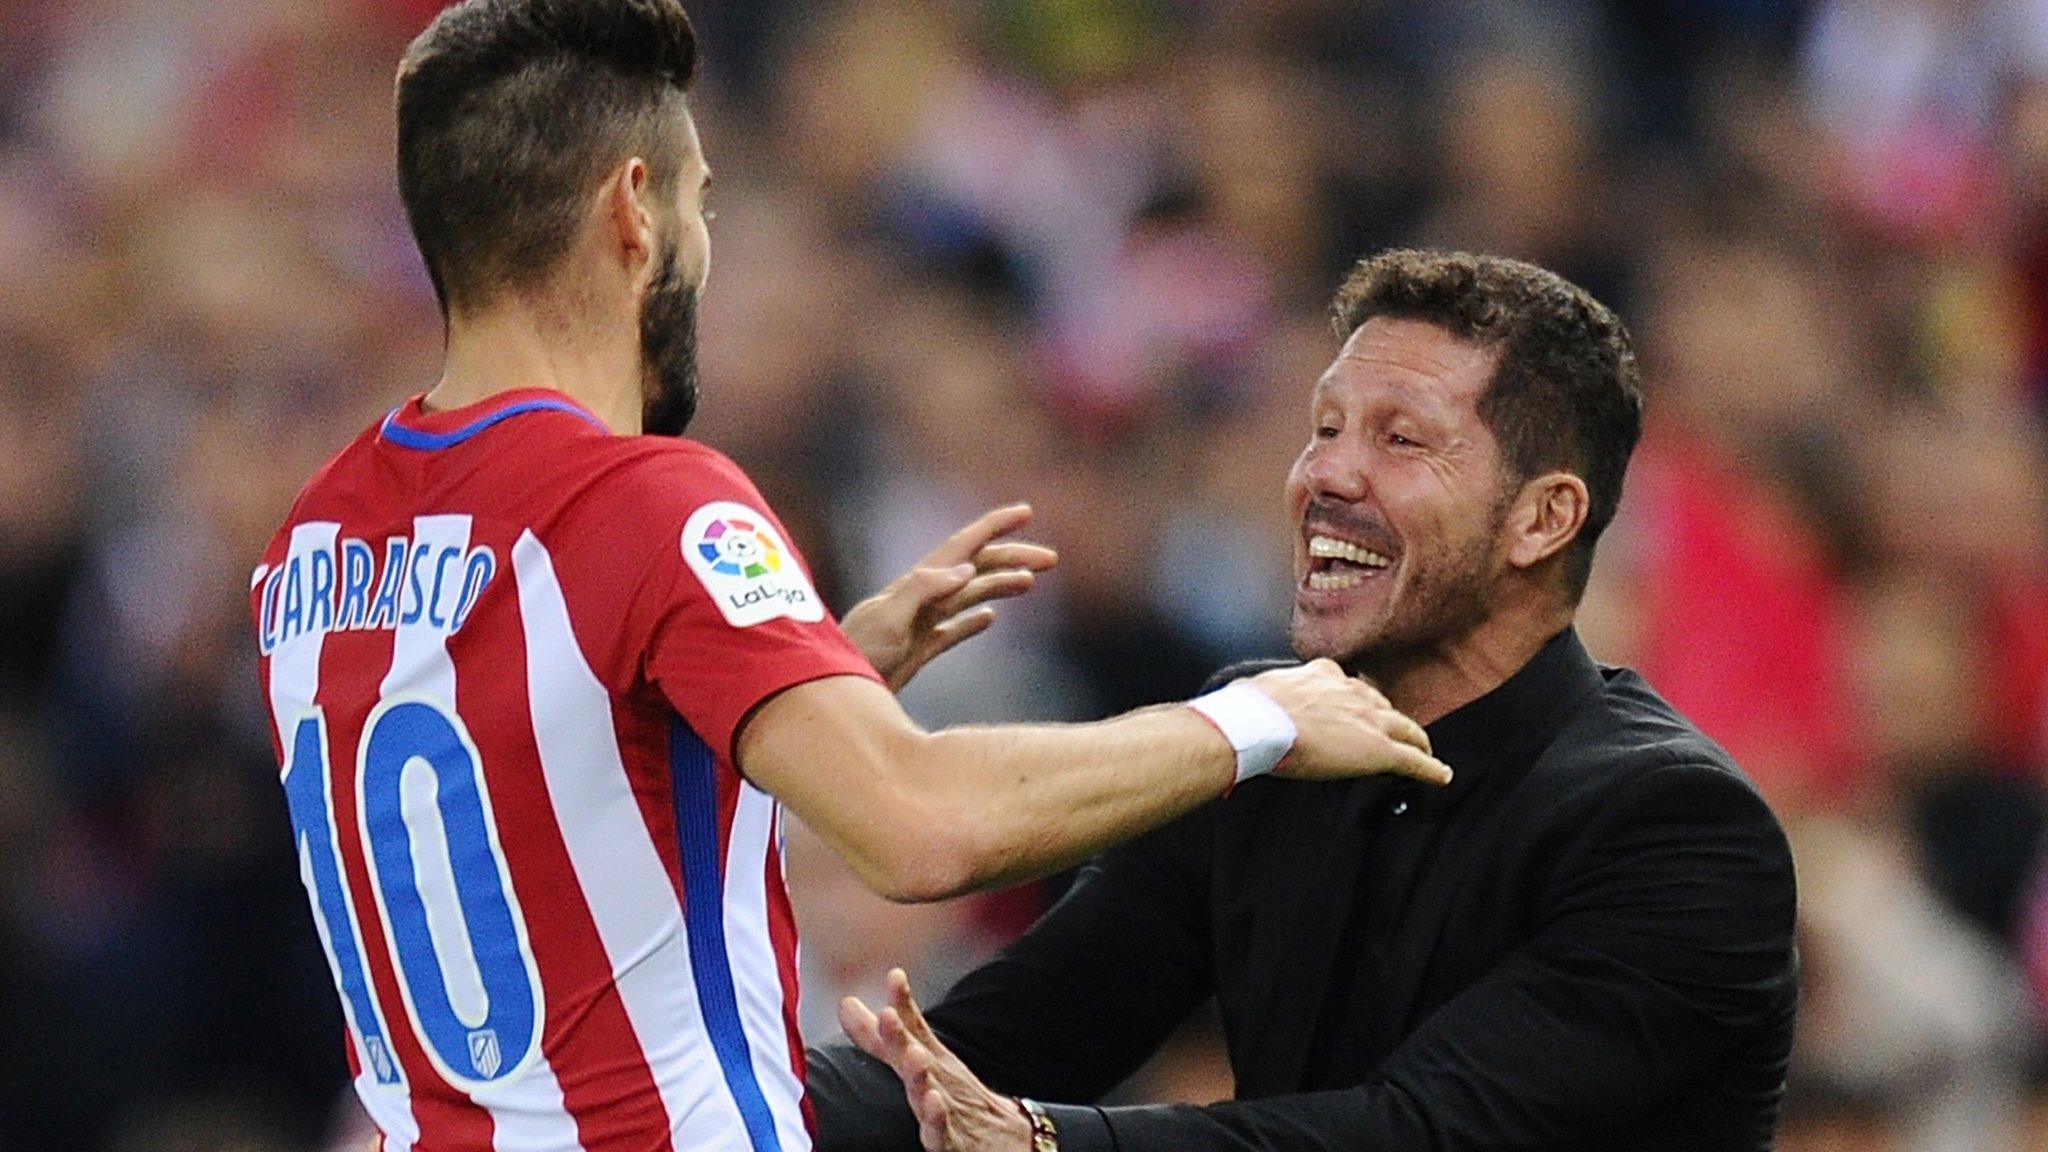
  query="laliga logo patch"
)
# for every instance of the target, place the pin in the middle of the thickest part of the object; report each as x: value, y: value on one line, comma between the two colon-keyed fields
x: 744, y: 565
x: 736, y: 547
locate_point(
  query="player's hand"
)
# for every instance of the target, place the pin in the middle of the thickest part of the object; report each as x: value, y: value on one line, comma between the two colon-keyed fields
x: 947, y: 598
x: 1345, y: 727
x: 955, y: 1111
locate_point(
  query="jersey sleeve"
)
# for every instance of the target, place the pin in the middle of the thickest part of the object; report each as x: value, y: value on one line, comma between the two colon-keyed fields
x: 728, y: 610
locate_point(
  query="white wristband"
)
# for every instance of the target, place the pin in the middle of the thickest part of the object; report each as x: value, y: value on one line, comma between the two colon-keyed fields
x: 1259, y: 730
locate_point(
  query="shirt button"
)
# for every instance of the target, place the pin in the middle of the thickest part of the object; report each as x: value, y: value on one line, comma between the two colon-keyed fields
x: 1400, y: 807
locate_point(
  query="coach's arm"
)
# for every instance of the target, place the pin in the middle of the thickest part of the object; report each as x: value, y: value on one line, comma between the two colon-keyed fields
x: 1669, y: 944
x: 1067, y: 1011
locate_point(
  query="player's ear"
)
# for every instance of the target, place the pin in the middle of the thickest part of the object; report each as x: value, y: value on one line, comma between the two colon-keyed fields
x: 628, y: 221
x: 1546, y: 517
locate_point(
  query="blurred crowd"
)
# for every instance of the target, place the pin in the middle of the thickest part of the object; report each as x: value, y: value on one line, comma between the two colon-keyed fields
x: 1078, y: 252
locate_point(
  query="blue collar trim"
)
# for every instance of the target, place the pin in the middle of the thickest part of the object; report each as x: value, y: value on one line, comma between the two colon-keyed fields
x: 420, y: 441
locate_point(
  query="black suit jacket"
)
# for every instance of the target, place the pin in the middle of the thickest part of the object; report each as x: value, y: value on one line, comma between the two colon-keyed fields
x: 1584, y: 942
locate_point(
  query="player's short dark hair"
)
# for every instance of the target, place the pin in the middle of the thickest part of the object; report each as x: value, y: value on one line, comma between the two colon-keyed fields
x: 1566, y: 394
x: 511, y: 111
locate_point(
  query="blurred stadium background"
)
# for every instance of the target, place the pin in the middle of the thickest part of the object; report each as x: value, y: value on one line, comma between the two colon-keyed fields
x: 1076, y: 251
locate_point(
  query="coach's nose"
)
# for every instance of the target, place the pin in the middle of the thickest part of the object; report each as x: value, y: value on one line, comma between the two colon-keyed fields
x: 1338, y: 469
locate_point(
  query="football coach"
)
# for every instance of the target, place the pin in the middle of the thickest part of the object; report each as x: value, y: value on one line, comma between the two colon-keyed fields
x: 1584, y: 942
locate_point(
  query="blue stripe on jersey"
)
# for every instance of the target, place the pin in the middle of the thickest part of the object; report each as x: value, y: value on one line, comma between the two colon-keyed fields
x: 695, y: 773
x: 420, y: 441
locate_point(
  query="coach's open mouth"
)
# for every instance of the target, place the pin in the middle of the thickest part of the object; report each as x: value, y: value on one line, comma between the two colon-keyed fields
x: 1335, y: 564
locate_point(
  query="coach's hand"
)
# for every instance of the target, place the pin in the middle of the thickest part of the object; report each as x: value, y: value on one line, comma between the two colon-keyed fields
x: 956, y: 1112
x: 1346, y: 727
x: 946, y: 598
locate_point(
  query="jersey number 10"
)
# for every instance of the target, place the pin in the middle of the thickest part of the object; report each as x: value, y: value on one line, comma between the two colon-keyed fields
x: 443, y: 893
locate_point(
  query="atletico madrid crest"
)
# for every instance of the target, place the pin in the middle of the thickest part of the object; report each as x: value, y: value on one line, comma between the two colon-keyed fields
x: 483, y: 1052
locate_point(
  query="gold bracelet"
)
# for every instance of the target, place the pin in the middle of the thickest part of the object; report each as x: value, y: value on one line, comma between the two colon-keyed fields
x: 1045, y: 1136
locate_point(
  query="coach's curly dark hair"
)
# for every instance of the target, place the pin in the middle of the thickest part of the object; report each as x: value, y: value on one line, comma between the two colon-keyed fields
x: 510, y: 111
x: 1566, y: 394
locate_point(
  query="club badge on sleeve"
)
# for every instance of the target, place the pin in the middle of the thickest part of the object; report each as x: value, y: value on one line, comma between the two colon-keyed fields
x: 745, y: 566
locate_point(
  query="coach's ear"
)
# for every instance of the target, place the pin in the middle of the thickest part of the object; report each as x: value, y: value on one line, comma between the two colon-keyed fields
x: 1546, y: 517
x: 628, y: 223
x: 1242, y: 669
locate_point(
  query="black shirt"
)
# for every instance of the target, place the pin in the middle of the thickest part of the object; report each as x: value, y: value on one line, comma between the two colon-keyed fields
x: 1401, y: 824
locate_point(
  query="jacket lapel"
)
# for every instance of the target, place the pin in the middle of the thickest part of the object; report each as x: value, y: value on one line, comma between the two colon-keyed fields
x: 1334, y: 861
x: 1313, y: 848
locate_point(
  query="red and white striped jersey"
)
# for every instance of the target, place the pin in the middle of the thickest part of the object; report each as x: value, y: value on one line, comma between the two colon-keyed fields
x: 506, y: 652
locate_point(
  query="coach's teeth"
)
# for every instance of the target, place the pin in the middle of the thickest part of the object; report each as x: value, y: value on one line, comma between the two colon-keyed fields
x: 1331, y: 548
x: 1332, y: 581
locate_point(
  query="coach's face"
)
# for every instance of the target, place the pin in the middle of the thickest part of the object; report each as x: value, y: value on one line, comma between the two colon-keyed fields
x: 1399, y: 498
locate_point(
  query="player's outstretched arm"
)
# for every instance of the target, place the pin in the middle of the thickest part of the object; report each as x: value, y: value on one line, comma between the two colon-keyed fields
x: 946, y: 598
x: 928, y: 815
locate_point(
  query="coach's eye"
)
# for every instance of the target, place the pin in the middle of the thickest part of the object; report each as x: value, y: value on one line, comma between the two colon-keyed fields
x: 1400, y: 441
x: 1326, y: 432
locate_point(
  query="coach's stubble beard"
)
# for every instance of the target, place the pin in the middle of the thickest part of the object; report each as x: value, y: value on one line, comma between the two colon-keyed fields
x: 668, y: 349
x: 1446, y: 595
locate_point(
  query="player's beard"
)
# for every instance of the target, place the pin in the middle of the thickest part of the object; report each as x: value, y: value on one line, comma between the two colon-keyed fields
x: 668, y: 349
